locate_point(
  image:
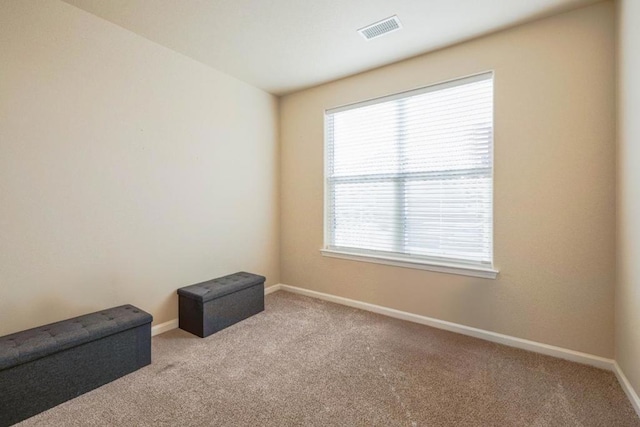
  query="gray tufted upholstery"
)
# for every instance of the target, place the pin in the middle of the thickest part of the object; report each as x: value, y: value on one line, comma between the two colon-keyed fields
x: 216, y: 288
x: 208, y: 307
x: 36, y: 343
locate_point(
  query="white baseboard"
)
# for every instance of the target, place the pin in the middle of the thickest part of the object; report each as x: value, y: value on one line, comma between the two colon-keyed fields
x: 273, y: 288
x: 549, y: 350
x: 173, y: 324
x: 164, y: 327
x: 626, y: 386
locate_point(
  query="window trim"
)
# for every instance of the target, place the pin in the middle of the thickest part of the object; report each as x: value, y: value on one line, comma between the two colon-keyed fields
x: 472, y: 270
x: 486, y: 271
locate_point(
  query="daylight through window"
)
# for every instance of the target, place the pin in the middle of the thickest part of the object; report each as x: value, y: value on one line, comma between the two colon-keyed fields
x: 410, y: 176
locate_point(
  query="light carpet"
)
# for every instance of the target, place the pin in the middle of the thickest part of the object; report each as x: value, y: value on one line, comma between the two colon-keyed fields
x: 307, y: 362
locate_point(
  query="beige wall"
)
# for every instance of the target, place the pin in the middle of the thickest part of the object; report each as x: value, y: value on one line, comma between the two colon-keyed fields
x: 126, y: 169
x: 628, y: 289
x: 554, y: 186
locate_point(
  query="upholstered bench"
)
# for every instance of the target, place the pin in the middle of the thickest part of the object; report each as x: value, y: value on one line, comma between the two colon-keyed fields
x: 45, y: 366
x: 208, y: 307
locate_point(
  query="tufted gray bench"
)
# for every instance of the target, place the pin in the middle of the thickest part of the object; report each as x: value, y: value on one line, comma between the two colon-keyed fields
x: 45, y: 366
x: 207, y: 307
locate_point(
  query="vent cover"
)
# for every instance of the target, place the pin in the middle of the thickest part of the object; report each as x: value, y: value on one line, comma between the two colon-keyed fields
x: 380, y: 28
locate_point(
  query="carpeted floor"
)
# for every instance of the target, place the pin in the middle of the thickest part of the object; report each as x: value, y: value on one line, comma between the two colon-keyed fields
x: 308, y: 362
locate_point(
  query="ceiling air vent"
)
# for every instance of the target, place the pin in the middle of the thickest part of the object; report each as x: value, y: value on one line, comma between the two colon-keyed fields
x: 380, y: 28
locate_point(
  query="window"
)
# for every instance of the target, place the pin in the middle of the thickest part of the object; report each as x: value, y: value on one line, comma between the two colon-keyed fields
x: 409, y: 178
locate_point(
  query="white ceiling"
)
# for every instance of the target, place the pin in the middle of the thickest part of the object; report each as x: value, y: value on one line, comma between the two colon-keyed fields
x: 286, y: 45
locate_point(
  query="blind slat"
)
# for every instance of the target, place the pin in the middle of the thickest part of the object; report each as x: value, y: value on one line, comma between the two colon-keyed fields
x: 412, y: 174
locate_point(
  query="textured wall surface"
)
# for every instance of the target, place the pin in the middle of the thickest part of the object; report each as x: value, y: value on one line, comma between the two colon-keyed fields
x: 554, y: 186
x: 628, y: 287
x: 126, y: 170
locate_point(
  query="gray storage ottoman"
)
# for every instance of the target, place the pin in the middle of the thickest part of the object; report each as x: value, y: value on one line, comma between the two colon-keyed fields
x: 207, y: 307
x: 43, y: 367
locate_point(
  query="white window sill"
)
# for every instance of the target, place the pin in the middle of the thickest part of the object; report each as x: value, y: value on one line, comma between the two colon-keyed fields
x: 450, y: 268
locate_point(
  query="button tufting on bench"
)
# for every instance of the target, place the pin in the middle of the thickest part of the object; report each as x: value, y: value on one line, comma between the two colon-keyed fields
x: 210, y: 306
x: 69, y: 360
x: 35, y: 343
x: 212, y: 289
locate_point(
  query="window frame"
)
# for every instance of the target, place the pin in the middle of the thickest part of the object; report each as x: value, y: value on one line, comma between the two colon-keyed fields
x: 485, y: 270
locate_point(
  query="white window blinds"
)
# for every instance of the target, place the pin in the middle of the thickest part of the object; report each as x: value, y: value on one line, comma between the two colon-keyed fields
x: 411, y: 175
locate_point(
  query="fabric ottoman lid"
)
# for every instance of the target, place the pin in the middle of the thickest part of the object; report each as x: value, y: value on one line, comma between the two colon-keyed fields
x: 32, y: 344
x: 216, y: 288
